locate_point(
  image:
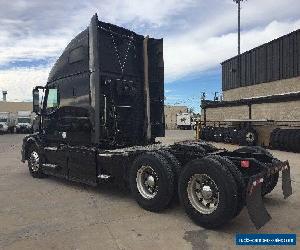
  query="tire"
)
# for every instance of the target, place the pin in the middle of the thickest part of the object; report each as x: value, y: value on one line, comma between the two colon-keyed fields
x: 227, y: 135
x: 293, y: 141
x: 162, y: 179
x: 34, y: 164
x: 203, y: 135
x: 239, y: 180
x: 210, y: 135
x: 269, y: 184
x: 277, y: 139
x: 281, y: 140
x: 247, y: 137
x: 176, y: 167
x: 174, y: 163
x: 219, y: 134
x: 291, y: 136
x: 220, y: 179
x: 273, y: 138
x: 206, y: 132
x: 286, y: 142
x: 296, y: 141
x: 235, y: 135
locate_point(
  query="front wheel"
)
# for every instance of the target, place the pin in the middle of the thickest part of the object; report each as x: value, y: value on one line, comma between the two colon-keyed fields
x: 34, y: 163
x: 208, y: 192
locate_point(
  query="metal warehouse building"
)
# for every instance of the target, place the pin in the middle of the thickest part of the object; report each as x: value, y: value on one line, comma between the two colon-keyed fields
x: 270, y: 69
x: 260, y: 87
x: 261, y: 84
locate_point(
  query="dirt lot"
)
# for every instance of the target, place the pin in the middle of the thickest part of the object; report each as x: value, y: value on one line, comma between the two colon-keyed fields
x: 55, y: 214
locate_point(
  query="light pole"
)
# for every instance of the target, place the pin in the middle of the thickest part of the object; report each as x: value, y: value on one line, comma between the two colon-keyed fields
x: 239, y: 76
x: 239, y: 24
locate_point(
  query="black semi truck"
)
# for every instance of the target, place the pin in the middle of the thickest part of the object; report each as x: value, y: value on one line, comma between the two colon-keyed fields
x: 99, y: 115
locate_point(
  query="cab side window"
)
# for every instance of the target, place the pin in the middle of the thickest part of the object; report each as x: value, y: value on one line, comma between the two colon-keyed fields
x: 52, y: 99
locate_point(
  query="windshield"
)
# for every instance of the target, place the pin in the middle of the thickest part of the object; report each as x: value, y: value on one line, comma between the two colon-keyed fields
x: 52, y: 99
x: 23, y: 120
x: 3, y: 119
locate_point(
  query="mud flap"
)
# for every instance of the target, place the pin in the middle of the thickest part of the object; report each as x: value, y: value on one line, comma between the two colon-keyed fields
x: 254, y: 200
x: 286, y: 181
x: 256, y: 209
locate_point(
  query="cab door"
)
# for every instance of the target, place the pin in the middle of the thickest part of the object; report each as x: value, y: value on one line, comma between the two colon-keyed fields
x: 55, y: 148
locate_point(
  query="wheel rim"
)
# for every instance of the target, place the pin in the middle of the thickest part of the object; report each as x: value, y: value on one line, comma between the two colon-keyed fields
x: 147, y: 182
x: 203, y: 193
x: 250, y: 137
x: 34, y: 161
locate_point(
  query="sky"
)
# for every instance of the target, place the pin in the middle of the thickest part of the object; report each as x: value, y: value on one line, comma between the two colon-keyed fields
x: 198, y: 36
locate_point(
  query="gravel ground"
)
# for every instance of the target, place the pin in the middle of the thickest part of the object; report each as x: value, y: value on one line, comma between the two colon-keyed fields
x: 55, y: 214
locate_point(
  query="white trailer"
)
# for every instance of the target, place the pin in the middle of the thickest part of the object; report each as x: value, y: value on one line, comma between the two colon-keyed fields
x: 184, y: 120
x: 6, y: 122
x: 24, y: 122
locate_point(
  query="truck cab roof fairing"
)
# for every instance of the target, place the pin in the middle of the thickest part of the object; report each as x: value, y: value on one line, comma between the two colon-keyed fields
x: 74, y: 59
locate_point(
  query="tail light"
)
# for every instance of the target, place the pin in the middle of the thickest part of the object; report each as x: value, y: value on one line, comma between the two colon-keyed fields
x: 245, y: 164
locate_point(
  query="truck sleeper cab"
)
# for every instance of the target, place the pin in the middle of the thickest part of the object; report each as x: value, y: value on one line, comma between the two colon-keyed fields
x: 103, y: 107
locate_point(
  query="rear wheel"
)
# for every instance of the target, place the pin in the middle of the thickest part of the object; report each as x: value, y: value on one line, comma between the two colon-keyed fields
x: 151, y: 181
x: 176, y: 167
x: 238, y: 177
x: 208, y: 192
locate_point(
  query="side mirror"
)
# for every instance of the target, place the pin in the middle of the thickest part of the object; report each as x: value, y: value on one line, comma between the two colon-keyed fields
x: 36, y: 101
